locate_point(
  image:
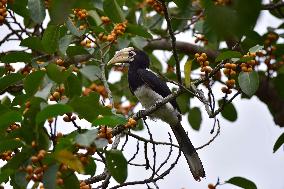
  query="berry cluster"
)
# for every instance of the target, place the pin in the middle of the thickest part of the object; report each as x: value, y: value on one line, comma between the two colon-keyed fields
x: 229, y: 71
x: 222, y: 2
x: 204, y: 63
x: 35, y: 170
x: 96, y: 88
x: 156, y: 6
x: 105, y: 20
x: 3, y: 11
x: 58, y: 94
x: 86, y: 43
x: 83, y: 185
x: 26, y: 70
x: 69, y: 117
x: 12, y: 127
x: 7, y: 155
x: 123, y: 109
x: 131, y: 123
x: 249, y: 65
x: 9, y: 68
x: 118, y: 30
x: 80, y: 13
x: 106, y: 132
x: 201, y: 38
x: 47, y: 3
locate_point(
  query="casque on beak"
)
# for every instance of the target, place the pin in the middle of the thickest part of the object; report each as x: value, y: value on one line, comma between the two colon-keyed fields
x: 123, y: 56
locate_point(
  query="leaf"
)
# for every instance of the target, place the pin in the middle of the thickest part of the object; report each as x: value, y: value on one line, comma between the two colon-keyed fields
x: 52, y: 111
x: 73, y: 29
x: 33, y: 43
x: 242, y: 182
x: 9, y: 80
x: 76, y: 50
x: 10, y: 144
x: 70, y: 180
x: 90, y: 167
x: 73, y: 86
x: 139, y: 42
x: 92, y: 72
x: 88, y: 107
x: 228, y: 55
x: 117, y: 165
x: 64, y: 43
x: 57, y: 75
x: 194, y: 118
x: 183, y: 101
x: 87, y: 139
x: 33, y: 81
x: 111, y: 120
x: 278, y: 143
x: 45, y: 92
x: 50, y: 39
x: 4, y: 174
x: 113, y: 11
x: 248, y: 82
x: 229, y: 112
x: 18, y: 56
x: 59, y: 10
x: 49, y: 176
x: 138, y: 30
x: 70, y: 160
x: 256, y: 48
x: 37, y: 10
x: 187, y: 71
x: 9, y: 117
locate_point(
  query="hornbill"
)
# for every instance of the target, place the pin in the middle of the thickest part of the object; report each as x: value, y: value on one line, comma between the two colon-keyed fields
x: 149, y: 89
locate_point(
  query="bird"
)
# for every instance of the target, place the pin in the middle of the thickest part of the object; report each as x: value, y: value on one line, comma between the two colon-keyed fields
x: 149, y: 89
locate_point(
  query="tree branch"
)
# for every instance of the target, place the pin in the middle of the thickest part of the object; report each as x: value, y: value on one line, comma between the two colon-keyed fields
x: 272, y: 6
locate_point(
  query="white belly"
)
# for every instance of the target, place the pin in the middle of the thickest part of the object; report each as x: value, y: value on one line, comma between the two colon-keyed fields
x: 148, y: 97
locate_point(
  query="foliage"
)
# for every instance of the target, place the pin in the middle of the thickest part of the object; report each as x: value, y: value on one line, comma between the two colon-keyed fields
x: 65, y: 77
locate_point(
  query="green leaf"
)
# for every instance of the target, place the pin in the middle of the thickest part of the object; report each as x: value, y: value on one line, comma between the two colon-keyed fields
x: 4, y: 174
x: 9, y: 117
x: 117, y: 165
x: 10, y: 144
x: 73, y: 86
x: 90, y: 167
x: 187, y: 71
x: 88, y: 107
x: 111, y: 120
x: 64, y: 43
x: 70, y: 180
x: 59, y: 10
x: 183, y: 101
x: 49, y: 176
x: 57, y: 75
x: 52, y: 111
x: 9, y: 80
x: 194, y: 118
x: 69, y: 159
x: 113, y: 11
x: 138, y: 30
x: 242, y: 182
x: 50, y: 39
x: 76, y: 50
x: 139, y: 42
x: 45, y: 92
x: 228, y: 55
x: 18, y: 56
x: 33, y: 43
x: 248, y: 82
x: 229, y: 112
x: 92, y: 72
x: 255, y: 48
x: 37, y: 10
x: 73, y: 29
x: 278, y: 143
x: 87, y: 139
x: 33, y: 81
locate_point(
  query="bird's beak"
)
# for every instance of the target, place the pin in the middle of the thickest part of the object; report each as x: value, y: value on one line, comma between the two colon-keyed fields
x: 122, y: 56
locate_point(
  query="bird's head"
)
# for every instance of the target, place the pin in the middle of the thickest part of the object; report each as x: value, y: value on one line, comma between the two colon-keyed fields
x: 131, y: 56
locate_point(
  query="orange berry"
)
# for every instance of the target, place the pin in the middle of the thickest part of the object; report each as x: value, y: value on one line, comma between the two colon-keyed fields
x: 211, y: 186
x: 34, y: 159
x: 196, y: 55
x: 29, y: 169
x: 227, y: 65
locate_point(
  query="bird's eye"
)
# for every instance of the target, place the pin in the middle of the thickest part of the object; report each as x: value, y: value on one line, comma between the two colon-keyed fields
x: 131, y: 55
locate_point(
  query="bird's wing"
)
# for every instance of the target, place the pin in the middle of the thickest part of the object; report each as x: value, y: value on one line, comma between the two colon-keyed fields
x: 156, y: 84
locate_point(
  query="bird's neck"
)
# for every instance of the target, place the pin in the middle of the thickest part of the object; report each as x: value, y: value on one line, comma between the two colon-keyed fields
x: 134, y: 79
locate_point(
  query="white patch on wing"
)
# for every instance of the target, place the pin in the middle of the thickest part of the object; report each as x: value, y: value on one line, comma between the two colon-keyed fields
x: 148, y: 97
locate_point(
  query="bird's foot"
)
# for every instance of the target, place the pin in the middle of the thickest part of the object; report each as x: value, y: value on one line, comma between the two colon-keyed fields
x: 141, y: 113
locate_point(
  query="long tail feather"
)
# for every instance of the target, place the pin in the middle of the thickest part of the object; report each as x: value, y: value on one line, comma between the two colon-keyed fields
x: 189, y: 152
